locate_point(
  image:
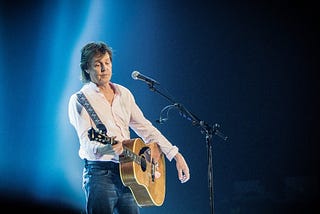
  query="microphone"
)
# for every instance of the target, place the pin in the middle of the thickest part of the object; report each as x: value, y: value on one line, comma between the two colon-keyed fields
x: 136, y: 75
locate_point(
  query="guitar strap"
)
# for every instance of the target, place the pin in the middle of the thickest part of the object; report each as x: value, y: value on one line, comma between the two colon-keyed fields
x: 85, y: 103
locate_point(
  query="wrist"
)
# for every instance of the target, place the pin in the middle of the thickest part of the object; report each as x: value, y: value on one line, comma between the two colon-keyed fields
x: 177, y: 156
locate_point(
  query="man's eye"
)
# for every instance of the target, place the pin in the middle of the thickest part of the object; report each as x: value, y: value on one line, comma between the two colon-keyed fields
x: 97, y: 65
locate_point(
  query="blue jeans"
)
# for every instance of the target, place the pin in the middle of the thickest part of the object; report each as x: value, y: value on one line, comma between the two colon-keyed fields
x: 105, y: 192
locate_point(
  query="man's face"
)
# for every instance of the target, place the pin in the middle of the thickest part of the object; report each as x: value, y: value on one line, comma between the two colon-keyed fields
x: 100, y: 69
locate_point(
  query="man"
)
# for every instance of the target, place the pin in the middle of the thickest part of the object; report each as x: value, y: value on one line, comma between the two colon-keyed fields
x: 117, y: 110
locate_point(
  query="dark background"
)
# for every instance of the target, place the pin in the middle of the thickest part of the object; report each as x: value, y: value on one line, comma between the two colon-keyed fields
x: 249, y: 66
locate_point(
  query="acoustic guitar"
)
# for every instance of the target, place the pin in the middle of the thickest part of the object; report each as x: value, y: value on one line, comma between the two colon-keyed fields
x: 142, y: 168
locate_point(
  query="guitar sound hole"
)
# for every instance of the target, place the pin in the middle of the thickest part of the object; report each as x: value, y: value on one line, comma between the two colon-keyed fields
x: 143, y: 164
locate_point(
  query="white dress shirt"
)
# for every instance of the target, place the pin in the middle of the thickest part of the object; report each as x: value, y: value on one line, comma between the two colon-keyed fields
x: 118, y: 117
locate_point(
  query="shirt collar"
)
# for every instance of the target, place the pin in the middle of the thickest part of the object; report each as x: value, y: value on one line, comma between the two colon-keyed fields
x: 95, y: 87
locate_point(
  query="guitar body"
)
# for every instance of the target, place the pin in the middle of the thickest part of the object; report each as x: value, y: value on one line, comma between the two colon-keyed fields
x: 147, y: 179
x: 142, y: 168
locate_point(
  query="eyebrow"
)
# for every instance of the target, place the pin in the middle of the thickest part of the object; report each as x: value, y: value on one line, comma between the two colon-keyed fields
x: 100, y: 59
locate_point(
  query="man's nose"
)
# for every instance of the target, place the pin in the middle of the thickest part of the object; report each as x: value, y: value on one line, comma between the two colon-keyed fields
x: 103, y: 68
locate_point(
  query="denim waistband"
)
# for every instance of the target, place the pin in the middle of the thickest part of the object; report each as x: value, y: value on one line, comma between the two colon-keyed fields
x: 104, y: 164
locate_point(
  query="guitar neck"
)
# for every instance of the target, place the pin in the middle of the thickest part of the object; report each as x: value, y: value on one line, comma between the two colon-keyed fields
x: 126, y: 156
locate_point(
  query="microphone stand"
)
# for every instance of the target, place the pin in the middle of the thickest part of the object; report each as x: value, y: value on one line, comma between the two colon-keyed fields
x: 206, y: 129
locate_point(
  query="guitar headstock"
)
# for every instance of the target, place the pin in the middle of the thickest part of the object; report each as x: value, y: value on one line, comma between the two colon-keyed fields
x: 100, y: 136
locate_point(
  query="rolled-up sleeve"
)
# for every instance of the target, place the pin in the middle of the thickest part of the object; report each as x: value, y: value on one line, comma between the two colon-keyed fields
x: 149, y: 133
